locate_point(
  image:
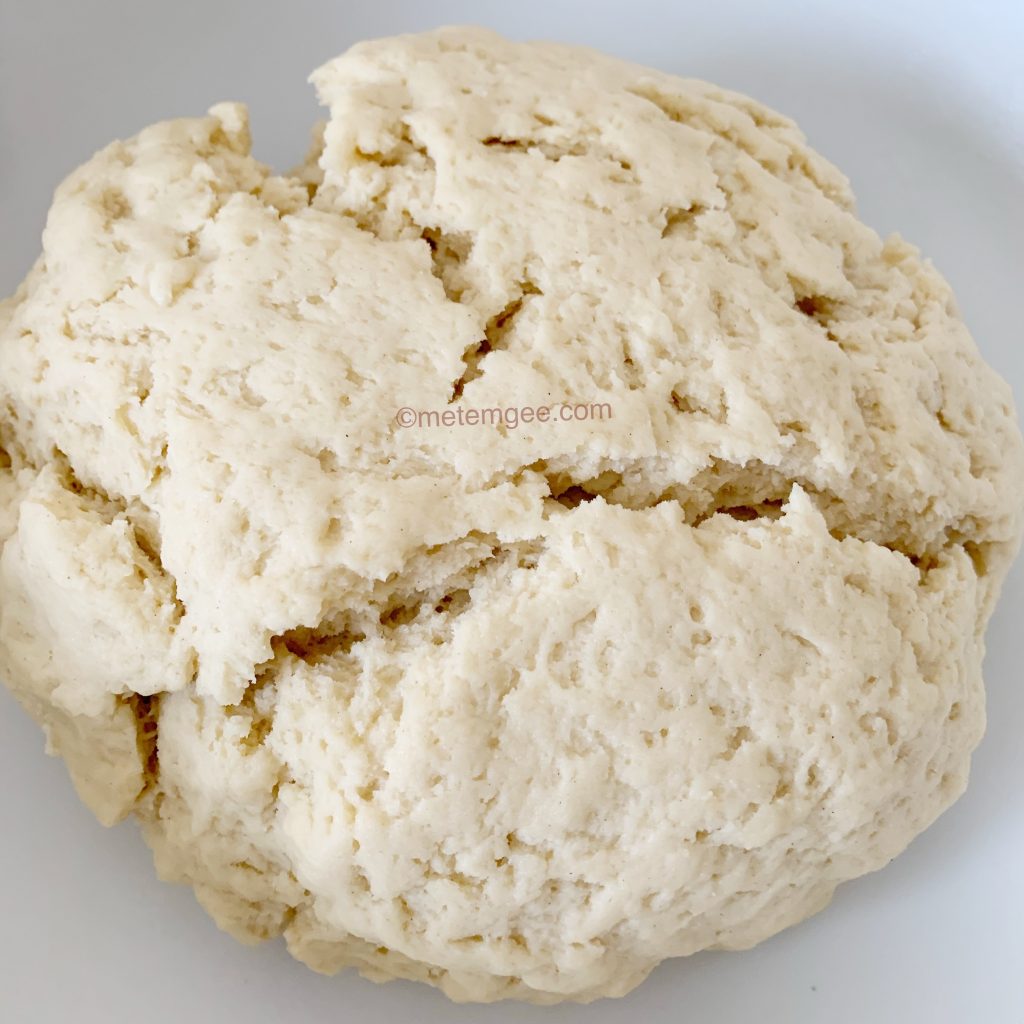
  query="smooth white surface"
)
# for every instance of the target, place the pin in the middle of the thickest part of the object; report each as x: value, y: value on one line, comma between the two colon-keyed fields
x: 922, y: 105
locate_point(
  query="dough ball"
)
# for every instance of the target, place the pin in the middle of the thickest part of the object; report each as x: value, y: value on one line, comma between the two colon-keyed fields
x: 518, y: 707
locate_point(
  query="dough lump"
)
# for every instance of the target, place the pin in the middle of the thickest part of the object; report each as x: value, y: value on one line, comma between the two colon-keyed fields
x: 518, y: 711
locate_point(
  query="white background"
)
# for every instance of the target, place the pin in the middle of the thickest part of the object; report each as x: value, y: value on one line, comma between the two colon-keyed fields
x: 922, y: 104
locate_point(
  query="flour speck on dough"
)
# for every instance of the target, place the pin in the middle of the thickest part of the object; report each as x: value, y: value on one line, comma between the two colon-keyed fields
x: 518, y: 713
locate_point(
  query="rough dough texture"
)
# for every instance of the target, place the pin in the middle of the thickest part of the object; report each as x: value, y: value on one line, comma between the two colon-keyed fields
x: 517, y: 712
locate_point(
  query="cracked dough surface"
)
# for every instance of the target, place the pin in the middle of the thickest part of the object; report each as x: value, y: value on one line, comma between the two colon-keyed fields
x: 516, y: 712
